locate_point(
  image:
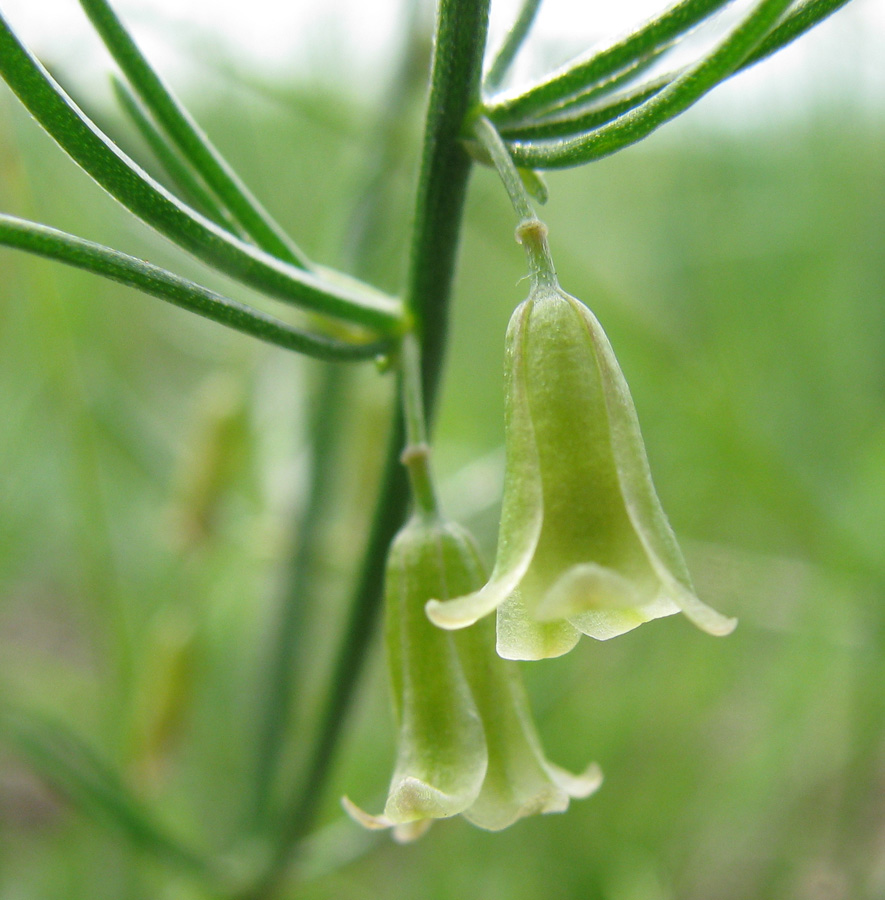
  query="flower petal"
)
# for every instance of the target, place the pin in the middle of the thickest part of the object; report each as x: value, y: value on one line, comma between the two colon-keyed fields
x: 576, y: 786
x: 588, y: 587
x: 411, y: 799
x: 402, y: 833
x: 522, y: 510
x: 519, y: 780
x: 522, y: 637
x: 608, y: 623
x: 361, y: 817
x: 640, y: 498
x: 705, y: 617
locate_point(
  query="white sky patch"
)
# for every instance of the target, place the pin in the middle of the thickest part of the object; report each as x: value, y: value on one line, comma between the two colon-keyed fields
x: 840, y: 58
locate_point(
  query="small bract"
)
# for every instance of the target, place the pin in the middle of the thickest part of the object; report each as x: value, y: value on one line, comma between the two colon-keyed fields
x: 584, y: 545
x: 466, y: 742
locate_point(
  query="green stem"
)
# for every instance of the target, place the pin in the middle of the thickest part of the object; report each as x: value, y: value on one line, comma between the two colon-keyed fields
x: 289, y: 661
x: 460, y: 40
x: 277, y: 692
x: 532, y: 234
x: 416, y: 455
x: 488, y: 136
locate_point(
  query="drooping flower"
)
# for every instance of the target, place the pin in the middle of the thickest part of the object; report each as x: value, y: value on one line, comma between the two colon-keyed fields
x: 584, y: 545
x: 520, y: 781
x: 466, y: 742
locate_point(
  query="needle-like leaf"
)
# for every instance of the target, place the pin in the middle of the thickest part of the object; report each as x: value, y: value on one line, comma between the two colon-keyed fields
x: 188, y: 136
x: 803, y: 17
x: 668, y: 103
x: 647, y: 41
x: 192, y: 188
x: 151, y: 202
x: 576, y: 116
x: 48, y: 242
x: 514, y: 40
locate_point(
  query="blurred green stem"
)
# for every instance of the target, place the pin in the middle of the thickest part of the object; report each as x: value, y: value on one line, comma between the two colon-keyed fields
x: 279, y: 685
x: 282, y: 681
x: 442, y: 186
x: 514, y: 40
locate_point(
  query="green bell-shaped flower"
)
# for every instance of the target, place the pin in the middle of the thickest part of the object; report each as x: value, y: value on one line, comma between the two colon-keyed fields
x: 441, y: 747
x: 466, y: 741
x: 584, y: 545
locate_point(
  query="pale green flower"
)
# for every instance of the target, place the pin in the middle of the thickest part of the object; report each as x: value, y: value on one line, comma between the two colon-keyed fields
x: 466, y: 742
x: 584, y: 545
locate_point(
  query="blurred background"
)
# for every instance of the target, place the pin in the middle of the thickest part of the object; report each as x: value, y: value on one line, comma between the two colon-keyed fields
x: 153, y: 466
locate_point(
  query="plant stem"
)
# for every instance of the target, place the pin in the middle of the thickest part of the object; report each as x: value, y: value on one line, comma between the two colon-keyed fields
x: 288, y: 662
x: 288, y: 640
x: 488, y: 136
x: 460, y: 40
x: 416, y: 455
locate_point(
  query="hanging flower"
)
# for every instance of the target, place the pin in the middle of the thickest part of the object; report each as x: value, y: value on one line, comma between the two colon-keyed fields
x: 466, y: 742
x: 584, y: 545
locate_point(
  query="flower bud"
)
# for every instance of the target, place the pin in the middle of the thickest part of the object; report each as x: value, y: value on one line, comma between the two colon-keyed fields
x: 584, y: 545
x: 466, y: 741
x: 441, y: 748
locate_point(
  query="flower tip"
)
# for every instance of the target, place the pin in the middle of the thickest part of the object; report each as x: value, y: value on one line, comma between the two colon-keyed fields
x: 705, y: 617
x: 722, y: 626
x: 464, y: 611
x: 361, y: 817
x: 403, y: 832
x: 585, y: 784
x: 442, y: 615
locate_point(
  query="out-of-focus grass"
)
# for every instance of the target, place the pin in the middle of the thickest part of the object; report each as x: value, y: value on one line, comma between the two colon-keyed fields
x: 151, y: 463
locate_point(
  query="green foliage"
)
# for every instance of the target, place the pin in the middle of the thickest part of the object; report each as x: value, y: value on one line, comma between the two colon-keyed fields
x: 194, y: 526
